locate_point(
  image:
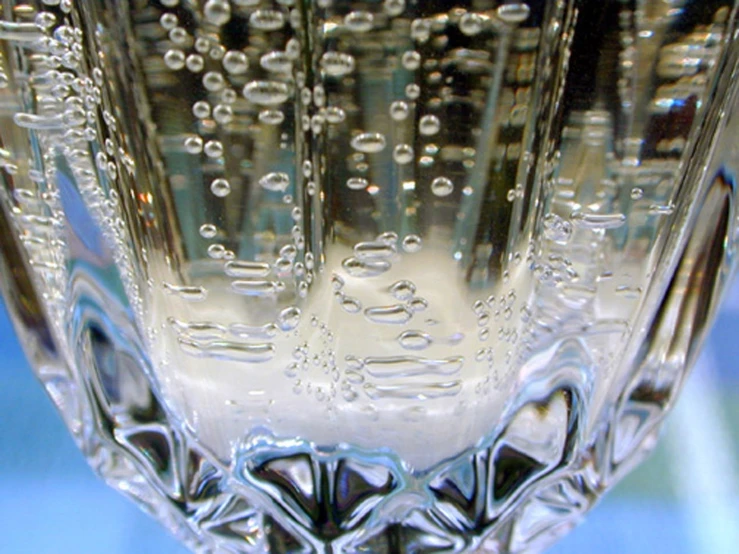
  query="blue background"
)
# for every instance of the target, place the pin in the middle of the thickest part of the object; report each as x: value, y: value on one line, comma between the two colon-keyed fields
x: 683, y: 500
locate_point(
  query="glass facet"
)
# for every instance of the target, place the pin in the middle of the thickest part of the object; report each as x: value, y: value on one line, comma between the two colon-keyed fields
x: 366, y: 276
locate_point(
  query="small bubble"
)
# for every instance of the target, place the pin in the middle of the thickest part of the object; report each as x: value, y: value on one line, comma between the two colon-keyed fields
x: 216, y: 251
x: 213, y: 81
x: 399, y: 110
x: 277, y: 62
x: 403, y: 290
x: 411, y: 60
x: 178, y: 35
x: 337, y: 64
x: 223, y: 114
x: 268, y: 93
x: 514, y: 13
x: 220, y: 187
x: 275, y: 181
x: 213, y: 149
x: 201, y: 109
x: 271, y: 117
x: 403, y: 154
x: 420, y: 30
x: 442, y: 186
x: 429, y: 125
x: 368, y: 142
x: 267, y: 20
x: 637, y: 193
x: 217, y: 12
x: 174, y: 59
x: 412, y: 91
x: 195, y: 63
x: 393, y: 7
x: 357, y: 183
x: 235, y: 62
x: 351, y: 305
x: 208, y: 231
x: 335, y: 115
x: 359, y: 21
x: 194, y: 145
x: 412, y: 243
x: 471, y: 23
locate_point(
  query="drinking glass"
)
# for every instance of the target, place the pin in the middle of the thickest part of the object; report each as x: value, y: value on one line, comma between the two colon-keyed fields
x: 383, y: 276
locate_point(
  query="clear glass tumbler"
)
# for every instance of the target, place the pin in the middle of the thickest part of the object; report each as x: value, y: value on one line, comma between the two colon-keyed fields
x: 380, y: 276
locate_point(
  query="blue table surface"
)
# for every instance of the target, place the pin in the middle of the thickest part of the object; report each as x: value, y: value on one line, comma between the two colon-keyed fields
x: 683, y: 500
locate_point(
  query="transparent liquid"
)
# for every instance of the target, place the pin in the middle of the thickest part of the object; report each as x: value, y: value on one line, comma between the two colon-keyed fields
x: 409, y: 238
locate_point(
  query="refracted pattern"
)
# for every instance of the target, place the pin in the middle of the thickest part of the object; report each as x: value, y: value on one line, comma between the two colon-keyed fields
x: 212, y: 211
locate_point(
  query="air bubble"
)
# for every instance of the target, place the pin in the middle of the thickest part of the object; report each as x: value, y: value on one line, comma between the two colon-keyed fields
x: 235, y: 62
x: 220, y: 187
x: 174, y: 59
x: 194, y: 145
x: 277, y: 62
x: 267, y: 20
x: 513, y: 13
x: 412, y: 91
x: 195, y: 63
x: 268, y: 93
x: 337, y: 64
x: 335, y: 115
x: 213, y: 149
x: 223, y: 114
x: 393, y: 7
x: 412, y: 243
x: 271, y: 117
x: 357, y: 183
x: 442, y: 186
x: 276, y: 181
x: 399, y: 110
x: 208, y: 231
x: 411, y: 60
x: 213, y: 81
x: 368, y: 142
x: 471, y: 24
x: 420, y: 30
x: 359, y: 21
x: 429, y: 125
x: 403, y: 154
x: 217, y: 12
x: 201, y: 109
